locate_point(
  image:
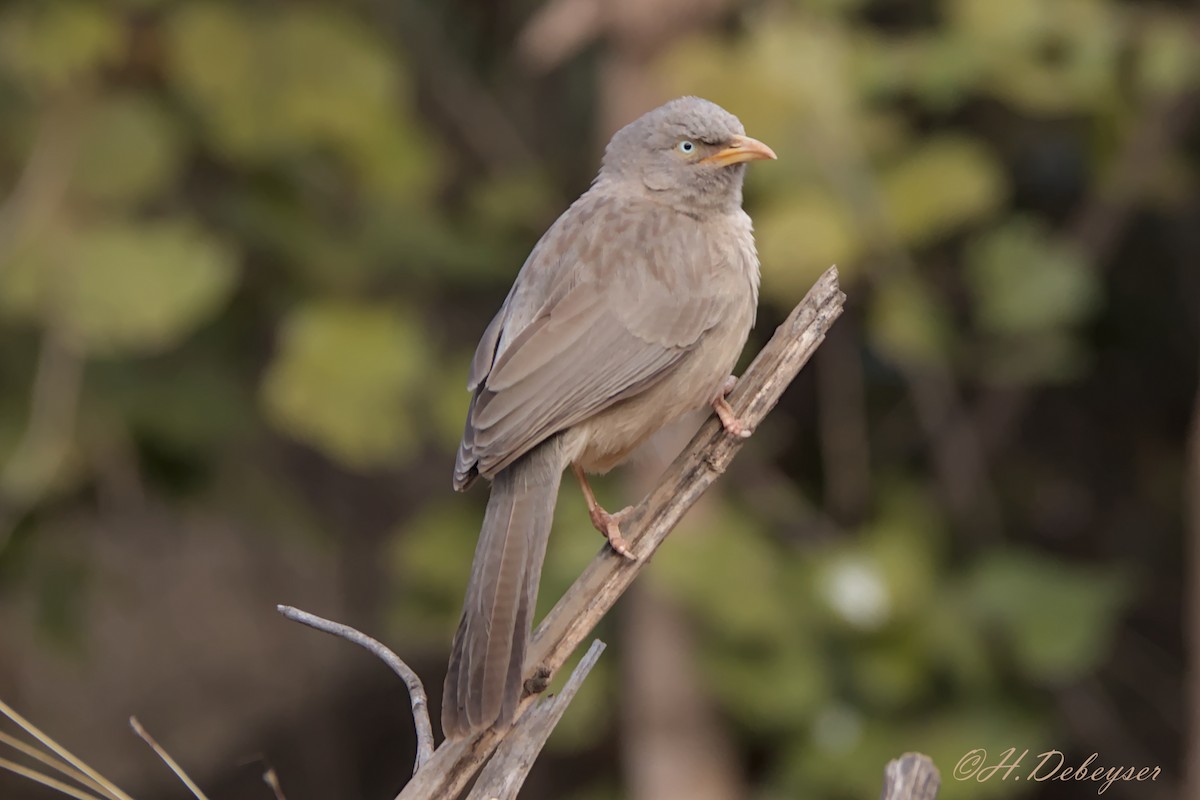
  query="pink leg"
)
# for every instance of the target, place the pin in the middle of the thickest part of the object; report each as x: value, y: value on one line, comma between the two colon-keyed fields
x: 608, y: 524
x: 725, y: 412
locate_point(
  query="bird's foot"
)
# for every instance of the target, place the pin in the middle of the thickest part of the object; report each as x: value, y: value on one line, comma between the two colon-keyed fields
x: 729, y: 418
x: 610, y: 525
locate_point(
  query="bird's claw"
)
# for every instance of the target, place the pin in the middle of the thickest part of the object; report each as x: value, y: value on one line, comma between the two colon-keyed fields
x: 729, y: 419
x: 610, y: 525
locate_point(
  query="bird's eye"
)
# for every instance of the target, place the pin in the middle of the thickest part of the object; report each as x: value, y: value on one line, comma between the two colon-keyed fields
x: 687, y: 147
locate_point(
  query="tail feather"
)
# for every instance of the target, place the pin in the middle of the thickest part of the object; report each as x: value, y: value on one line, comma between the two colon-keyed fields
x: 483, y: 683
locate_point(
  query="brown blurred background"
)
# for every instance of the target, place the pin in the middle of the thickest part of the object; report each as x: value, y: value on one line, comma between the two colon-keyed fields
x: 246, y: 249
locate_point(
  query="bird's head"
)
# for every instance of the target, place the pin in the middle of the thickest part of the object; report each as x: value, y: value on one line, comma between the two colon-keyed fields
x: 689, y: 153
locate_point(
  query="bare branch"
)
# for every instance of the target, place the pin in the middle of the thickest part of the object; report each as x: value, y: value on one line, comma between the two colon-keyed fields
x: 608, y: 575
x: 166, y: 758
x: 50, y: 761
x: 912, y: 776
x: 271, y: 779
x: 45, y: 178
x: 416, y: 689
x: 505, y: 773
x: 95, y: 781
x: 45, y: 780
x: 46, y: 440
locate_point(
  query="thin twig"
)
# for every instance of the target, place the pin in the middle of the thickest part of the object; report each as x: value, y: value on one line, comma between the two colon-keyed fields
x: 608, y: 575
x: 504, y: 775
x: 166, y: 758
x: 45, y: 177
x: 45, y: 442
x: 416, y: 689
x: 51, y: 762
x: 101, y: 783
x: 271, y: 779
x: 45, y: 780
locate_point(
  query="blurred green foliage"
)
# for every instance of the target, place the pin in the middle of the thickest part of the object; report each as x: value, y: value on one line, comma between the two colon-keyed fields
x: 241, y: 230
x: 340, y: 378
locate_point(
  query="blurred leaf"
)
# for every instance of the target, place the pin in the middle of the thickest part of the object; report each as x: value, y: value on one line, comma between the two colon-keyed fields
x: 450, y: 400
x: 48, y: 45
x: 24, y: 279
x: 430, y: 558
x: 185, y: 401
x: 1054, y: 357
x: 122, y: 288
x: 1046, y: 58
x: 35, y: 470
x: 768, y: 687
x: 1025, y: 281
x: 908, y: 323
x: 731, y: 576
x: 131, y: 150
x: 885, y: 575
x: 799, y: 238
x: 320, y: 257
x: 231, y: 91
x: 890, y: 673
x: 997, y: 25
x: 839, y: 7
x: 904, y: 540
x: 956, y: 644
x: 455, y: 253
x: 398, y: 164
x: 1168, y: 59
x: 942, y: 185
x: 141, y: 288
x: 1058, y: 618
x: 940, y: 70
x: 513, y: 200
x: 754, y: 622
x: 341, y: 378
x: 337, y: 80
x: 304, y: 77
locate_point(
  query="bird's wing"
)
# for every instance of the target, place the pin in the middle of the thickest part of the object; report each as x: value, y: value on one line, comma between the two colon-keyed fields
x: 609, y: 301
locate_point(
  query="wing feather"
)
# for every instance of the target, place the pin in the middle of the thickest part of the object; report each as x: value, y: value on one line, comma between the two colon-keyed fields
x: 611, y: 299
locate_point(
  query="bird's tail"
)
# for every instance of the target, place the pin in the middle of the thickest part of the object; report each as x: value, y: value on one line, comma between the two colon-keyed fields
x: 483, y: 683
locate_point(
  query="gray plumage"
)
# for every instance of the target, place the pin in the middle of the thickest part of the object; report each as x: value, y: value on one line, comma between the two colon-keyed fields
x: 630, y: 311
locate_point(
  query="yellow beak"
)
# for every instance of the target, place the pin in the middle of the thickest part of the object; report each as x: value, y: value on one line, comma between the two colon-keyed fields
x: 739, y: 150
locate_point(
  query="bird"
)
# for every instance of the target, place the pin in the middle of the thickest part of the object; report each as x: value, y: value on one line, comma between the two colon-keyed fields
x: 629, y: 312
